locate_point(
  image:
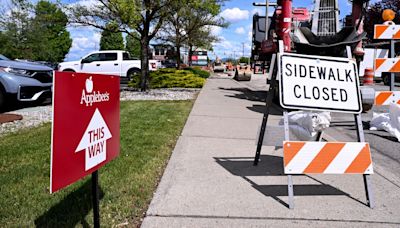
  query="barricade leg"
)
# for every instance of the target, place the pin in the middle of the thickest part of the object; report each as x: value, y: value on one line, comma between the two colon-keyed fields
x: 290, y: 192
x: 366, y: 177
x: 368, y: 190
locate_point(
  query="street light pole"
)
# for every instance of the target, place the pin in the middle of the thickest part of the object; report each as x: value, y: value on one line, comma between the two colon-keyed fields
x: 243, y: 49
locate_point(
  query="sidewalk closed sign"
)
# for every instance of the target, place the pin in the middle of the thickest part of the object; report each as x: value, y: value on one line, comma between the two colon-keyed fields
x: 319, y: 83
x: 85, y: 131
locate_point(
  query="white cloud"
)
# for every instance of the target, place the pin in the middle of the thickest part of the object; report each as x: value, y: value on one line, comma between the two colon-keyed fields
x: 240, y: 30
x: 84, y: 41
x: 235, y: 14
x: 228, y: 48
x: 215, y: 30
x: 86, y: 3
x: 250, y: 36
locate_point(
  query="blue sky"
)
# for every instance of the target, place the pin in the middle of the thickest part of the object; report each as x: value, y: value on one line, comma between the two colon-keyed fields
x: 238, y: 12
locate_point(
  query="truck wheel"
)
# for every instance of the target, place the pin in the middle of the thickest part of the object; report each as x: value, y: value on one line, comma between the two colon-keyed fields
x: 133, y: 77
x: 68, y: 70
x: 133, y: 73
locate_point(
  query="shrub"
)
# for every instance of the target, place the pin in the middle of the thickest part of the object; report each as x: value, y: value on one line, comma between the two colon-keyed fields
x: 198, y: 71
x: 172, y: 78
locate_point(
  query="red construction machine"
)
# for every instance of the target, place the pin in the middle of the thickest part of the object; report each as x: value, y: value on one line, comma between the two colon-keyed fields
x: 316, y: 33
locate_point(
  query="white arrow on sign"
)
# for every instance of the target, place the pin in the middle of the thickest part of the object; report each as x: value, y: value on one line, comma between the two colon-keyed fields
x: 94, y: 141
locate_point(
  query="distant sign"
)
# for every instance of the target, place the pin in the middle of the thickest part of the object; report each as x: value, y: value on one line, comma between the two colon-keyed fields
x: 319, y: 83
x: 85, y: 131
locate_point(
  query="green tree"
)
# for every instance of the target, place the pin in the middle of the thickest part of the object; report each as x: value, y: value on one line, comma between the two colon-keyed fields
x: 36, y: 32
x: 111, y: 38
x: 201, y: 38
x: 188, y: 20
x: 50, y: 39
x: 132, y: 45
x: 16, y: 30
x: 143, y: 17
x: 244, y: 60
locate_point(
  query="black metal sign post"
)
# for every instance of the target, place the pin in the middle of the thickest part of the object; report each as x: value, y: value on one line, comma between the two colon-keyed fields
x: 270, y: 97
x: 95, y: 199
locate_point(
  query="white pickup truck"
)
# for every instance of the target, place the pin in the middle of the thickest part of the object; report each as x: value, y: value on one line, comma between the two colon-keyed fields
x: 107, y: 62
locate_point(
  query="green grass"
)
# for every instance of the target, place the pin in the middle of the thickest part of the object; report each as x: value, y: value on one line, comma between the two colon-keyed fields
x: 149, y: 130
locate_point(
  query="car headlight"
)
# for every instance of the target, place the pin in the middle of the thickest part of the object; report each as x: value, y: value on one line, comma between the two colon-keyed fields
x: 14, y: 71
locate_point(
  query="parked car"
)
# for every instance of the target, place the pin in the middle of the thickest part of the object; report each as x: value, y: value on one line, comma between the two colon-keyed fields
x: 168, y: 63
x: 24, y: 81
x: 107, y: 62
x: 218, y: 66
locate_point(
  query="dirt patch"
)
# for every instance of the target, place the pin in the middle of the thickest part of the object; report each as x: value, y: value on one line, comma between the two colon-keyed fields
x: 5, y: 118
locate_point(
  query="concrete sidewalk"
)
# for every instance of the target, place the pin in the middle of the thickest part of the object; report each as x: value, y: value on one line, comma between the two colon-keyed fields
x: 210, y: 180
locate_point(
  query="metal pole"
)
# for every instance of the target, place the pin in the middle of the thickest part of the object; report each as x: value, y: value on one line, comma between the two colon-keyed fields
x: 95, y: 199
x: 268, y: 104
x: 243, y: 49
x: 290, y: 179
x: 392, y: 55
x: 266, y: 19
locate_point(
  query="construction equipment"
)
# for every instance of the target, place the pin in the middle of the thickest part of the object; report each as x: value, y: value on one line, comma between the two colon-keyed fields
x: 302, y: 33
x: 243, y: 72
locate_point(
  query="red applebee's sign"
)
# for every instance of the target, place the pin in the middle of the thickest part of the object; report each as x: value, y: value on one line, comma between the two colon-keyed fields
x: 85, y: 131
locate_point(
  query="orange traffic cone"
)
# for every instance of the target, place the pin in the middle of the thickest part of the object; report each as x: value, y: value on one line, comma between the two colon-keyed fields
x: 368, y: 77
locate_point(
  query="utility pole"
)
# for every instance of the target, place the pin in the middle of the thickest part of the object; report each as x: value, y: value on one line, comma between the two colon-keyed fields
x: 243, y: 49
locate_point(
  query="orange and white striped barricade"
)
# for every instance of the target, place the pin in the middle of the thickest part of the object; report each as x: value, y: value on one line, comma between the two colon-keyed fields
x: 387, y: 98
x: 318, y: 157
x: 389, y: 31
x: 327, y: 158
x: 391, y: 65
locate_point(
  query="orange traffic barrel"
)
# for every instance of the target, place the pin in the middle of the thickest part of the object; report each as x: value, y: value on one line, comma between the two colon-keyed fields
x: 368, y: 77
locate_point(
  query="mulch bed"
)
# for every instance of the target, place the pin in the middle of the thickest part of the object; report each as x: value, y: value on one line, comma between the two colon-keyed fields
x: 5, y: 118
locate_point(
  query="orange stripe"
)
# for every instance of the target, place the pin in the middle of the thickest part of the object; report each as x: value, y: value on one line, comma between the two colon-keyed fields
x: 397, y: 35
x: 290, y: 149
x: 396, y: 67
x: 324, y: 158
x: 379, y: 30
x: 361, y: 162
x: 379, y: 62
x: 382, y: 97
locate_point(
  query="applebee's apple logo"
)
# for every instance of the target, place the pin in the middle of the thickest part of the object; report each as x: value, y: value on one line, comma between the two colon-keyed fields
x: 89, y: 96
x: 89, y: 85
